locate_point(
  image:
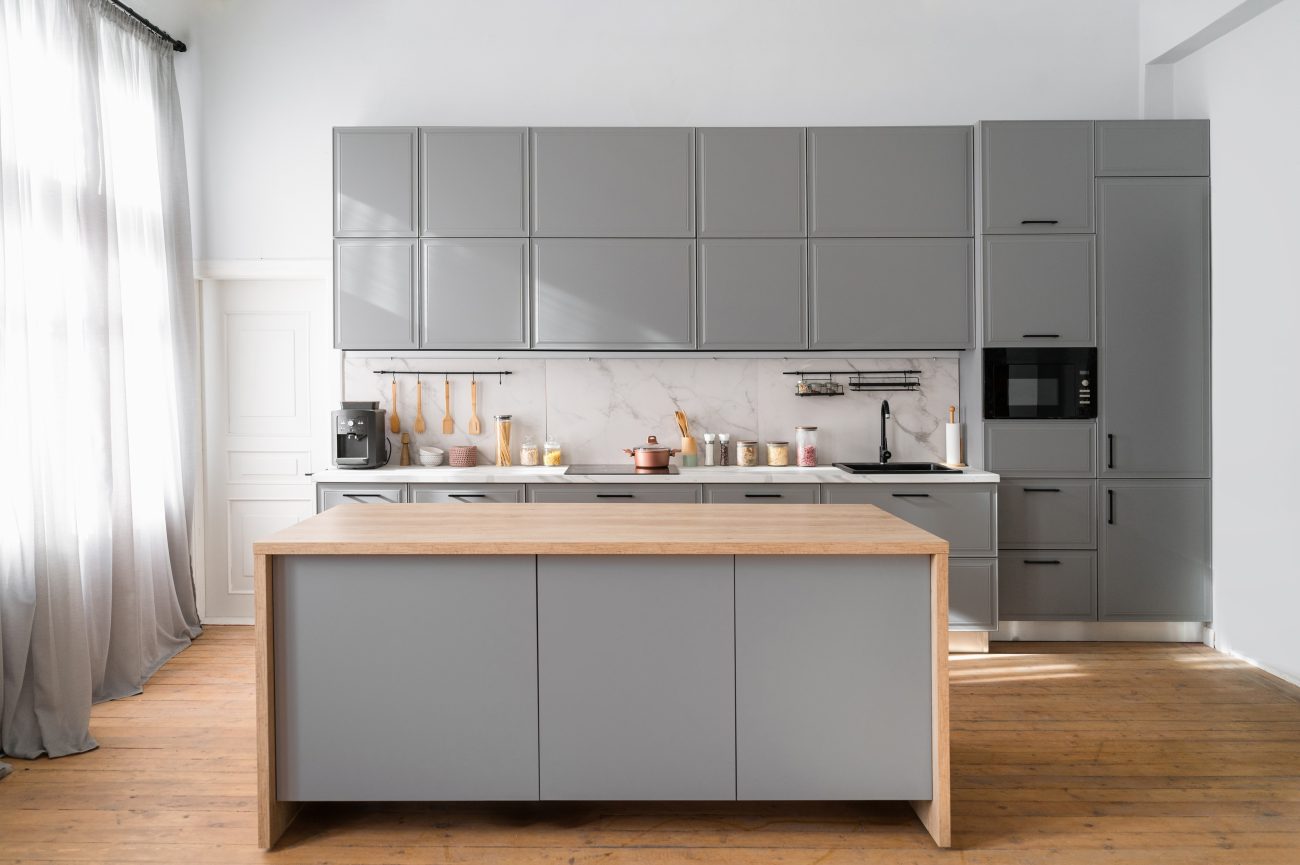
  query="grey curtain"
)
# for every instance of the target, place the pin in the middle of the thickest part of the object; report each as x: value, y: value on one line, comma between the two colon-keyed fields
x: 98, y: 369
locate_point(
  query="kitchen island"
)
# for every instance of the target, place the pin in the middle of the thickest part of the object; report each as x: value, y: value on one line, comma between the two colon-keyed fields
x: 550, y: 652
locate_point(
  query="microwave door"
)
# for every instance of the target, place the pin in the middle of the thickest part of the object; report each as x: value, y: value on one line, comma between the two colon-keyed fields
x: 1034, y: 390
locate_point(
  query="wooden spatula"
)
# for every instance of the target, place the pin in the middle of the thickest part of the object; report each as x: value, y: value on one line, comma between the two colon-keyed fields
x: 419, y: 405
x: 448, y: 425
x: 395, y: 424
x: 474, y: 426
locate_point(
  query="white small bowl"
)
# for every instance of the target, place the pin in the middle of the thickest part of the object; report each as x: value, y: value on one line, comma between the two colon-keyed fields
x: 430, y: 458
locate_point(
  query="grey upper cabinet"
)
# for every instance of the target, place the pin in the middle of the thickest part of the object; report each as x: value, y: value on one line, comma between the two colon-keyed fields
x: 1037, y: 177
x: 613, y: 182
x: 473, y: 182
x: 374, y: 293
x: 904, y: 181
x: 1153, y: 148
x: 1154, y: 548
x: 1040, y: 290
x: 753, y: 294
x: 751, y: 182
x: 374, y: 182
x: 1153, y: 278
x: 913, y: 293
x: 474, y: 293
x: 613, y: 294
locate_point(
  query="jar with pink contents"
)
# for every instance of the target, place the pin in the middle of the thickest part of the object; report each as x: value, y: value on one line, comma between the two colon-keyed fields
x: 805, y: 438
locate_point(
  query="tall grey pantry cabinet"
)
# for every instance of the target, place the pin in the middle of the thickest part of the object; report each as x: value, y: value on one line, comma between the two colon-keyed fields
x: 1105, y: 520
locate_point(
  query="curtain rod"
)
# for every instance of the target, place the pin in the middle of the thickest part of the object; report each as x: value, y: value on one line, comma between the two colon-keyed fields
x: 177, y: 45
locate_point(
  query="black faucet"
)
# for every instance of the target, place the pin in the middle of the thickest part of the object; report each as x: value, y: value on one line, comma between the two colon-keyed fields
x: 884, y: 439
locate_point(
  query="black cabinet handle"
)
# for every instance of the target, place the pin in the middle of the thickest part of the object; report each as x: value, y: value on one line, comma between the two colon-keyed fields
x: 615, y: 495
x: 910, y: 495
x: 1110, y: 507
x: 1042, y: 561
x: 1040, y: 336
x: 764, y: 495
x: 364, y: 497
x: 468, y: 495
x: 1110, y: 450
x: 1042, y: 489
x: 1039, y: 221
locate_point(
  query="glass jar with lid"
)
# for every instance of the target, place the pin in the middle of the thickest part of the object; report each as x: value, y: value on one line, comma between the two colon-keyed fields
x: 529, y: 454
x: 805, y: 443
x: 778, y: 453
x: 746, y: 453
x: 553, y: 455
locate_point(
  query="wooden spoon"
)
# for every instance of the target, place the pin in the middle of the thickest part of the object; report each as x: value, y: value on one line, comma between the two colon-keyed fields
x: 395, y: 424
x: 448, y: 425
x: 474, y: 426
x: 419, y: 405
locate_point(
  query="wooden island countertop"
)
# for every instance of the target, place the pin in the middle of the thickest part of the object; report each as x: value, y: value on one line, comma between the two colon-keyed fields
x: 585, y: 529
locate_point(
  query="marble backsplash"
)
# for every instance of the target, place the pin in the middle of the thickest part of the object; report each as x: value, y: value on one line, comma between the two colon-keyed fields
x: 596, y: 406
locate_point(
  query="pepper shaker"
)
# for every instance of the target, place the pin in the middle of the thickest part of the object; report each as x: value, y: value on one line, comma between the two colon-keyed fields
x: 724, y: 448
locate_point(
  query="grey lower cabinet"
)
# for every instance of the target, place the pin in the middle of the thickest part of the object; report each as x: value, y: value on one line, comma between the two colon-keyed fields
x: 637, y: 677
x: 455, y: 719
x: 1057, y: 513
x: 1037, y: 177
x: 474, y: 293
x: 972, y: 594
x: 965, y: 515
x: 613, y: 294
x: 1154, y: 550
x: 1040, y: 290
x: 329, y: 495
x: 375, y: 293
x: 1047, y: 585
x: 671, y: 493
x: 891, y: 181
x: 1041, y: 449
x: 891, y: 293
x: 374, y: 181
x: 762, y: 494
x: 473, y: 182
x: 812, y: 655
x: 753, y: 294
x: 1153, y: 148
x: 613, y: 182
x: 751, y: 182
x: 1153, y: 273
x: 466, y: 494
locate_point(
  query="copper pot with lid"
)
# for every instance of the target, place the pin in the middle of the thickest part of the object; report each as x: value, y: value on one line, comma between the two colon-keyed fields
x: 651, y: 455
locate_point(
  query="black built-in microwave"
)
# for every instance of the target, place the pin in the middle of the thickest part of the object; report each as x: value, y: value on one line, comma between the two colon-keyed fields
x: 1040, y: 383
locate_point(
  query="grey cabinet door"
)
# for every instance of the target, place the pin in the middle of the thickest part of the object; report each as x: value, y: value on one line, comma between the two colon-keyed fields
x: 1041, y: 449
x: 374, y: 293
x: 468, y: 495
x: 613, y: 182
x: 613, y: 294
x: 374, y: 181
x: 474, y: 293
x: 753, y: 294
x: 636, y: 676
x: 1154, y: 545
x: 964, y: 515
x: 1153, y: 148
x: 1051, y: 585
x: 905, y: 293
x: 449, y: 710
x: 1040, y: 290
x: 473, y: 182
x: 1153, y: 277
x: 972, y: 594
x: 818, y: 640
x: 664, y: 493
x: 1060, y: 513
x: 762, y: 494
x: 751, y: 182
x: 330, y: 495
x: 891, y: 181
x: 1037, y: 177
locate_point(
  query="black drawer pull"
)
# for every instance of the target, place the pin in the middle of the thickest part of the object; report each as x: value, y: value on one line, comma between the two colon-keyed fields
x: 1042, y: 561
x: 1110, y: 507
x: 1042, y: 489
x: 365, y: 497
x: 910, y: 495
x: 1039, y: 221
x: 1040, y: 336
x: 764, y: 495
x: 615, y: 495
x: 1110, y: 450
x: 468, y: 495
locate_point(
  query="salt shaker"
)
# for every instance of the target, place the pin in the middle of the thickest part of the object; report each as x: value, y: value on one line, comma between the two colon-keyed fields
x: 710, y: 449
x: 724, y: 448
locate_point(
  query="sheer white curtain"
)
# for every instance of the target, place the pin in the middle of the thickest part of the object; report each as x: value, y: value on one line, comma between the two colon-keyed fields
x: 98, y: 392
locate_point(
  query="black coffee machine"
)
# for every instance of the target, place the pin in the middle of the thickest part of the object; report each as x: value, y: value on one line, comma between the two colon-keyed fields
x: 359, y: 440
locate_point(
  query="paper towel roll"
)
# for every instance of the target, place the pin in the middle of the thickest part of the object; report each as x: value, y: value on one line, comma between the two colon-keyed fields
x: 952, y: 441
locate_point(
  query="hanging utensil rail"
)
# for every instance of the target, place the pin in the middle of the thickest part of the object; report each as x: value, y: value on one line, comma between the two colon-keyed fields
x: 499, y: 373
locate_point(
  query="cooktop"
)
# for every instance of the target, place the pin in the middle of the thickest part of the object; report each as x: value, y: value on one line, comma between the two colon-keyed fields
x: 618, y: 469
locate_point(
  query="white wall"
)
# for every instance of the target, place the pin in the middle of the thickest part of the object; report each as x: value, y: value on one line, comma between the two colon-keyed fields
x: 1247, y: 84
x: 277, y: 74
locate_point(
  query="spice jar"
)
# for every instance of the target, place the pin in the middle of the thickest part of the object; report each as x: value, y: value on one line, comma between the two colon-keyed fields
x: 553, y: 456
x: 778, y: 453
x: 805, y: 442
x: 724, y: 448
x: 529, y: 455
x: 746, y: 453
x: 503, y: 439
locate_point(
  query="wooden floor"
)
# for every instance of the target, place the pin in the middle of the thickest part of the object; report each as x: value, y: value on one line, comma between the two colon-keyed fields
x: 1062, y: 753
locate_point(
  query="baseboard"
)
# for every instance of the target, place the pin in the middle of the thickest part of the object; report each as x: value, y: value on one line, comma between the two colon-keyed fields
x: 228, y: 620
x: 1143, y: 632
x: 975, y: 642
x: 1230, y: 652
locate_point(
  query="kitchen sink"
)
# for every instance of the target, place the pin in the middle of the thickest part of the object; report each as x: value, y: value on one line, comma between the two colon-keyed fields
x: 895, y: 468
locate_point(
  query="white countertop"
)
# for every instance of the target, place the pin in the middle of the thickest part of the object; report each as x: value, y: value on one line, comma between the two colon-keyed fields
x: 700, y: 475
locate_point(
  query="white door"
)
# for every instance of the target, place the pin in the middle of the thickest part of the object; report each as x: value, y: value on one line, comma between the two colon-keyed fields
x: 270, y: 377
